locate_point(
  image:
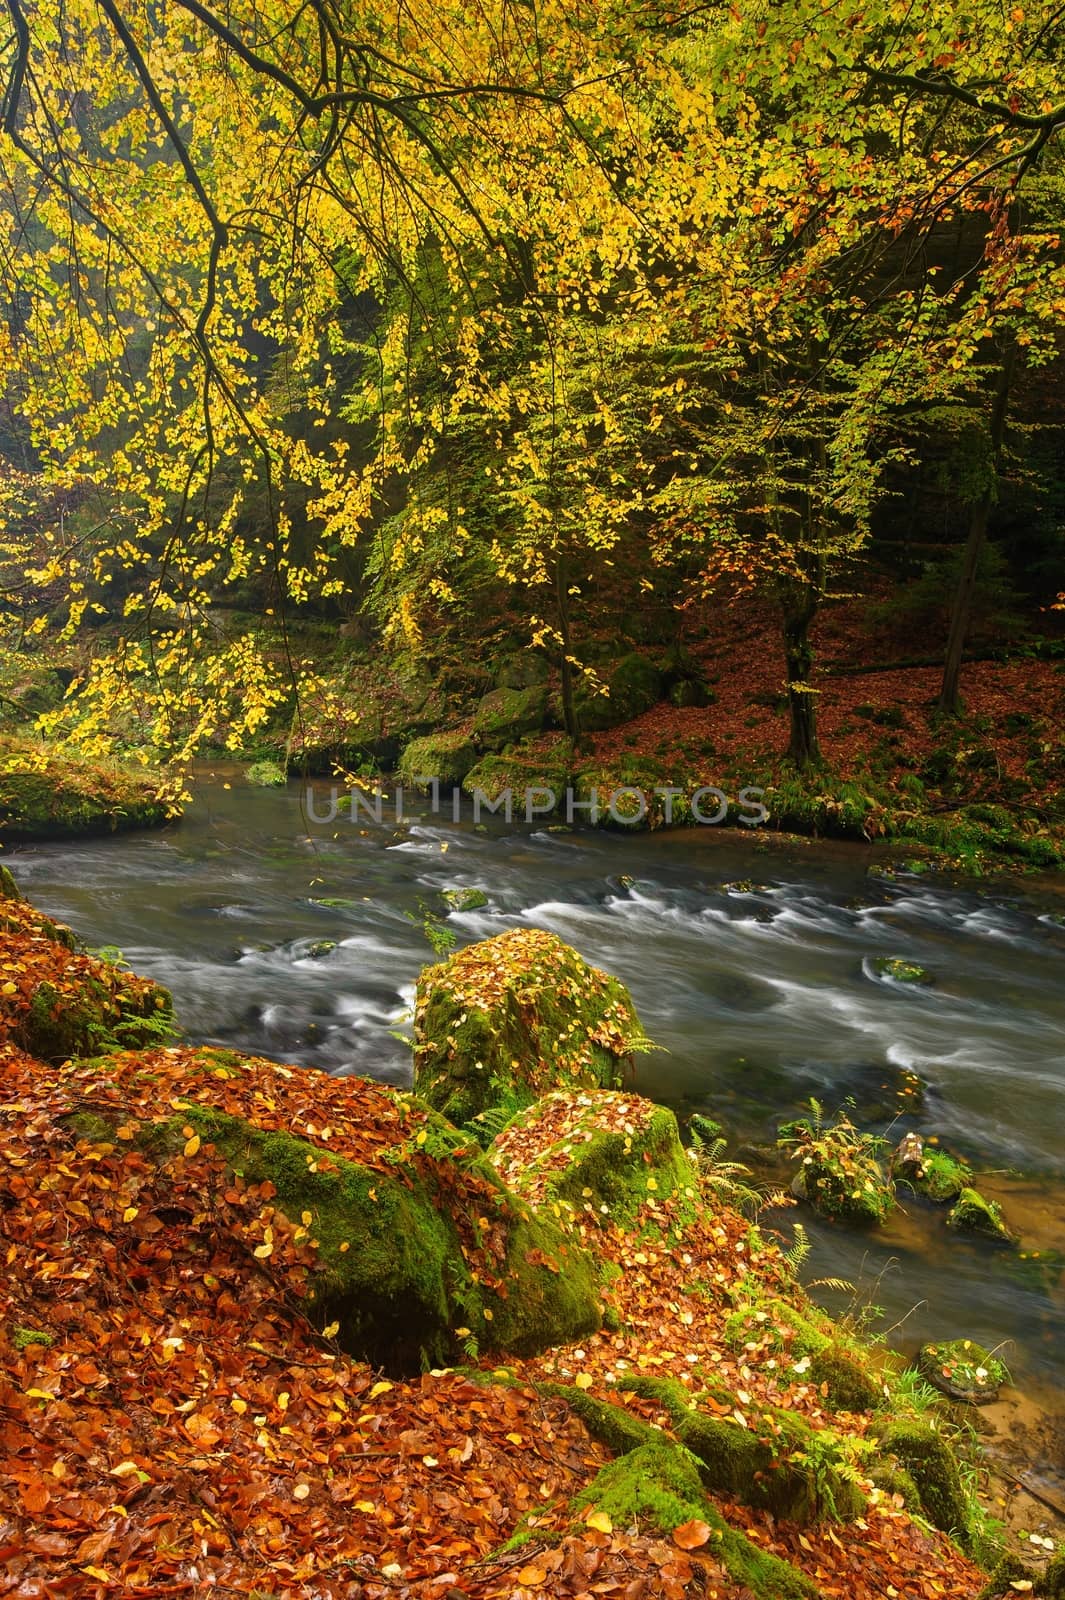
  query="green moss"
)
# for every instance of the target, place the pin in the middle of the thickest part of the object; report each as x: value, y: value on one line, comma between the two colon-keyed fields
x: 973, y: 1214
x: 464, y: 899
x: 507, y: 715
x: 784, y: 1325
x: 447, y: 757
x: 21, y: 1338
x: 1052, y: 1583
x: 895, y: 1480
x: 847, y: 1384
x: 392, y: 1247
x: 938, y: 1176
x: 656, y: 1488
x: 634, y: 687
x: 506, y: 1019
x: 494, y: 775
x: 839, y: 1171
x: 921, y: 1450
x: 9, y: 889
x: 266, y: 775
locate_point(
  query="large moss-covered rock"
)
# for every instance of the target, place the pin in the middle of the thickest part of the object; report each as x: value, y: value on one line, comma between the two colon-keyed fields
x: 609, y: 1157
x: 45, y: 795
x: 506, y: 715
x: 418, y: 1247
x: 527, y: 779
x: 505, y: 1020
x: 447, y: 757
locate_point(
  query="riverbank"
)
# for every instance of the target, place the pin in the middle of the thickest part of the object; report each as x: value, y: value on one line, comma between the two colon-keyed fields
x: 654, y: 1443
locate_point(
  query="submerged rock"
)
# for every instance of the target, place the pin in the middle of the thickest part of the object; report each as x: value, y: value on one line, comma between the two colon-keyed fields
x: 503, y: 1021
x: 464, y: 899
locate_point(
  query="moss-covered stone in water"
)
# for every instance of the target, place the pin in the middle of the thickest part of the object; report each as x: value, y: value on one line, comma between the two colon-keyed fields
x: 973, y: 1214
x: 921, y: 1450
x: 447, y: 757
x: 506, y: 715
x: 901, y: 971
x: 963, y: 1370
x: 9, y: 889
x: 937, y: 1175
x: 266, y: 775
x: 502, y: 1021
x: 609, y: 1156
x: 656, y: 1488
x: 525, y: 777
x: 464, y: 899
x: 392, y: 1245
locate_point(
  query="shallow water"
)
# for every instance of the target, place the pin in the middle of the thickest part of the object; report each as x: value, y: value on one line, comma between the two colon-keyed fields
x: 761, y: 996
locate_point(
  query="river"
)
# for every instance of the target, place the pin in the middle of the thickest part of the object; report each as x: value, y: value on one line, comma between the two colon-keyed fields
x: 750, y: 962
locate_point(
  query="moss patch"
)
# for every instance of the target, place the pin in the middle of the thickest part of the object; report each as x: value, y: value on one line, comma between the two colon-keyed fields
x: 656, y: 1487
x: 506, y: 715
x: 506, y: 1019
x: 266, y: 775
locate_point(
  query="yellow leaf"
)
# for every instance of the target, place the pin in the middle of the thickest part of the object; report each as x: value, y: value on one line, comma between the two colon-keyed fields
x: 192, y: 1145
x: 98, y: 1573
x: 368, y: 1507
x: 238, y: 1405
x: 380, y: 1388
x: 599, y: 1521
x: 263, y: 1250
x: 301, y: 1491
x: 130, y: 1212
x: 9, y: 988
x: 583, y: 1380
x: 331, y: 1330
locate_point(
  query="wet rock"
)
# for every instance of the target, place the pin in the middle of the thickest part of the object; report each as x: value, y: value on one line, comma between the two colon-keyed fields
x: 447, y: 757
x: 506, y: 715
x: 935, y: 1174
x: 464, y: 899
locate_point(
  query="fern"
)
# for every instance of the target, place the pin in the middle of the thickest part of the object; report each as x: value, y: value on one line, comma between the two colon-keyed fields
x: 799, y: 1250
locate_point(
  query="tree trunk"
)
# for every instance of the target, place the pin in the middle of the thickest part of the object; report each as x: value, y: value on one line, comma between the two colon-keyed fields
x: 569, y: 709
x: 949, y: 697
x: 803, y: 748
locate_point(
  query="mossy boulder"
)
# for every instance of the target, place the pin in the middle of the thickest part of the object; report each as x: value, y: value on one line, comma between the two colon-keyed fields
x: 28, y: 687
x: 920, y: 1449
x: 611, y: 1158
x: 523, y: 776
x: 526, y: 669
x: 417, y: 1246
x: 9, y: 889
x: 839, y: 1171
x: 266, y: 775
x: 506, y: 715
x: 447, y: 757
x: 847, y: 1383
x: 503, y: 1021
x: 48, y: 795
x: 972, y: 1213
x: 962, y: 1369
x: 633, y: 687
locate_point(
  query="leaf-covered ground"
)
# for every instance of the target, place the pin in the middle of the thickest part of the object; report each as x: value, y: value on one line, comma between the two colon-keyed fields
x: 171, y: 1423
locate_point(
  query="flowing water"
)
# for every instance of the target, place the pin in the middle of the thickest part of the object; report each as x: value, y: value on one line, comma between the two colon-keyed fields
x: 751, y: 964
